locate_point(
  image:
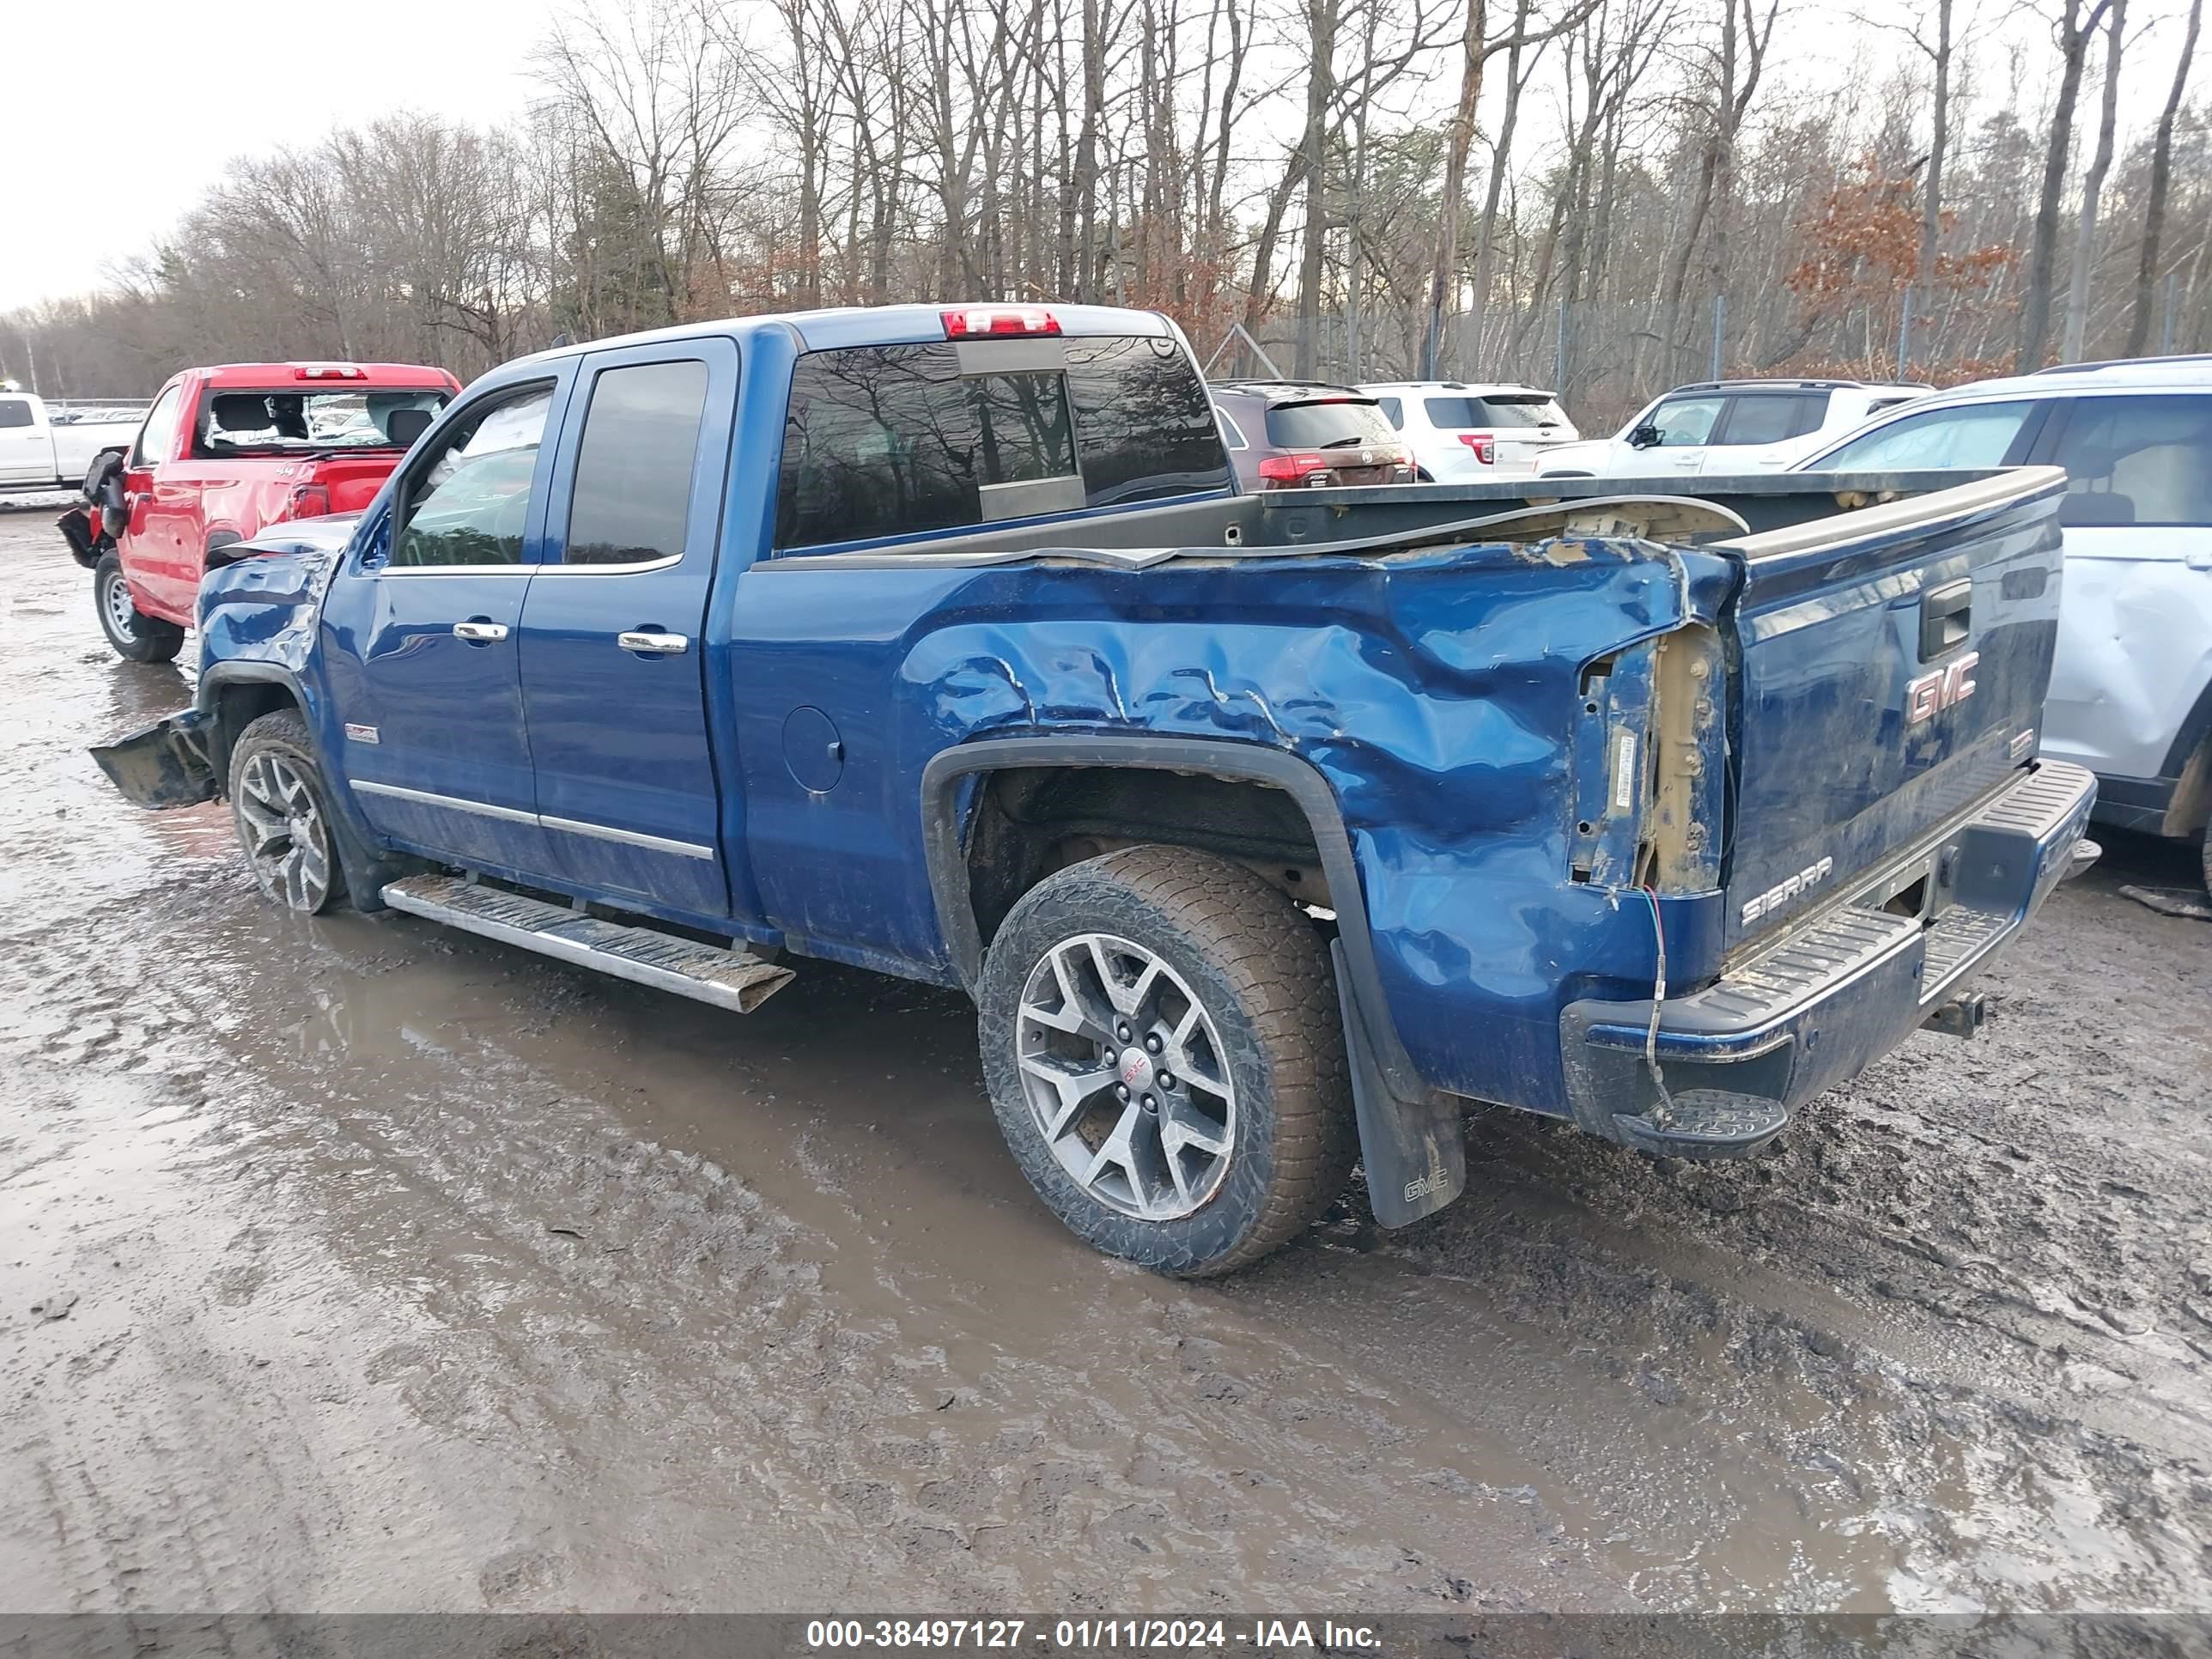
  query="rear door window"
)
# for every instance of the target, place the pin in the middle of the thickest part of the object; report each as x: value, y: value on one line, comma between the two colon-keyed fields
x: 632, y: 500
x: 14, y: 412
x: 1764, y: 417
x: 1334, y: 424
x: 1977, y: 434
x: 2137, y: 460
x: 883, y: 442
x: 1393, y: 412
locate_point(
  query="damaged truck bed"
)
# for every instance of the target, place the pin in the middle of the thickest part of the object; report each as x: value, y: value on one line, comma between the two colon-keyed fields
x: 1266, y: 831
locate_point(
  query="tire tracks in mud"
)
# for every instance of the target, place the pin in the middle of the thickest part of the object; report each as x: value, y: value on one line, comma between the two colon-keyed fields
x: 571, y: 1295
x: 1993, y: 1288
x: 469, y: 1157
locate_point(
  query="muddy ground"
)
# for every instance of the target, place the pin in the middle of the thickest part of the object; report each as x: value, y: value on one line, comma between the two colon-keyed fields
x: 356, y: 1264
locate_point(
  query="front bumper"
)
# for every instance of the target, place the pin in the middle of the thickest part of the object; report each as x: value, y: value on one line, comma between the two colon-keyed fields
x: 164, y: 765
x: 85, y: 538
x: 1817, y: 1005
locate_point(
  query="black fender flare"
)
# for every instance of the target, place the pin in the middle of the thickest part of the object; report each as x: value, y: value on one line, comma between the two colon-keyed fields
x: 1410, y: 1137
x: 207, y: 698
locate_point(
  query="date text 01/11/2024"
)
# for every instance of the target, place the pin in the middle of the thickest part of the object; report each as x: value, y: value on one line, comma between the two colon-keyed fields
x: 1079, y: 1635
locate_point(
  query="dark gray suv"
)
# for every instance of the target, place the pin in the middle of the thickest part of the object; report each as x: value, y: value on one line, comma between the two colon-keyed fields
x: 1305, y: 434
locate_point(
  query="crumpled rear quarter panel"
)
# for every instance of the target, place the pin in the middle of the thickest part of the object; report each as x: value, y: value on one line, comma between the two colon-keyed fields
x: 1436, y: 693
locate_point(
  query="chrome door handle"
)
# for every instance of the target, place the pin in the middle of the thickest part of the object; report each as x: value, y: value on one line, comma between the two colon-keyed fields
x: 480, y: 631
x: 654, y: 645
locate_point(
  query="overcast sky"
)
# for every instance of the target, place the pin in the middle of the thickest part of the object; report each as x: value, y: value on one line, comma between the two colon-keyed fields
x: 146, y: 102
x: 172, y: 92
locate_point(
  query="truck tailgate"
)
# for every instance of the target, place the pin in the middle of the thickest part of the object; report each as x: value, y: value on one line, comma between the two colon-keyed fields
x: 1894, y: 663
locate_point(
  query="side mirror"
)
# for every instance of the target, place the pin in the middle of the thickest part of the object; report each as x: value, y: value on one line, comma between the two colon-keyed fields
x: 1647, y: 436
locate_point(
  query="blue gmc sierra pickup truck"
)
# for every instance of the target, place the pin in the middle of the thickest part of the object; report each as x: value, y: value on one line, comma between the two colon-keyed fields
x: 1265, y: 831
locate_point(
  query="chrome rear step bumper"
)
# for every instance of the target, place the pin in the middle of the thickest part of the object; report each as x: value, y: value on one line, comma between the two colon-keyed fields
x: 1816, y: 1006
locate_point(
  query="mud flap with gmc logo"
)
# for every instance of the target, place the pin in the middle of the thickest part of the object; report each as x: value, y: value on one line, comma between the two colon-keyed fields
x: 1414, y: 1151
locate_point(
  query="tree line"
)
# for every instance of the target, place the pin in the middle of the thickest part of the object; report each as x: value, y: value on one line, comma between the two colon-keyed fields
x: 1606, y: 195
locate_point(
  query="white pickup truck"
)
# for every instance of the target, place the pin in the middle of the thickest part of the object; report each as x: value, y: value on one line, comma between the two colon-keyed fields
x: 43, y: 445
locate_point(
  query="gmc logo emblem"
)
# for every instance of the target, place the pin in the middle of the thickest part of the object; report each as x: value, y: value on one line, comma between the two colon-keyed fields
x: 1931, y: 694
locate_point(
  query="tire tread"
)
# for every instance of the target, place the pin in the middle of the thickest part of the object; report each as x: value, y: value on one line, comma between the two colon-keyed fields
x: 288, y: 727
x: 1279, y: 971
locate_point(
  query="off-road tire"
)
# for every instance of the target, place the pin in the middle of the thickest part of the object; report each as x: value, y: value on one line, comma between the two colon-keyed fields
x: 283, y: 736
x: 131, y: 633
x: 1259, y: 969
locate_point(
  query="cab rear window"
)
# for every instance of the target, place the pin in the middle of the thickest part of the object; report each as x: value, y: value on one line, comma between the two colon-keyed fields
x: 884, y: 441
x: 288, y: 421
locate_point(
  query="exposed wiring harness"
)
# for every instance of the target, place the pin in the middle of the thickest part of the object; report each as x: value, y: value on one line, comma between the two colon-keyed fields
x: 1658, y: 1000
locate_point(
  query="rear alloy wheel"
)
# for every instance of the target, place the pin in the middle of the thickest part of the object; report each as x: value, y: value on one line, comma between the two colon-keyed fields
x: 283, y: 815
x: 1124, y: 1075
x: 133, y: 636
x: 1165, y: 1056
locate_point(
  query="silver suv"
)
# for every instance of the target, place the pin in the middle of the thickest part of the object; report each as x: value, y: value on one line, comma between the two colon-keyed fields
x: 2131, y: 687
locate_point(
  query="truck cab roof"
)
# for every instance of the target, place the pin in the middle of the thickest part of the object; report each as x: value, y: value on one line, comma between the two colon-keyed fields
x: 331, y: 374
x: 831, y: 327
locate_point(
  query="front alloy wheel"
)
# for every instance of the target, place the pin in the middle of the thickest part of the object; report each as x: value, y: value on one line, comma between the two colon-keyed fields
x: 282, y: 818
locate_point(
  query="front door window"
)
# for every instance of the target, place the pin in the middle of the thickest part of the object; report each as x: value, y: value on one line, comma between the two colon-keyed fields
x: 1682, y: 423
x: 468, y: 503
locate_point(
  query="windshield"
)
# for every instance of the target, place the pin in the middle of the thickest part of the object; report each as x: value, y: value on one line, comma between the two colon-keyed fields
x: 1340, y: 424
x: 291, y: 421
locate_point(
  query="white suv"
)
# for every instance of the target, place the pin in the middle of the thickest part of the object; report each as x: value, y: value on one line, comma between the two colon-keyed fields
x: 1463, y: 433
x: 1727, y: 426
x: 2131, y: 686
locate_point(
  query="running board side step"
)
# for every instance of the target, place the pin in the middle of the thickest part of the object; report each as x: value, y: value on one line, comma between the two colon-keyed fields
x: 728, y: 979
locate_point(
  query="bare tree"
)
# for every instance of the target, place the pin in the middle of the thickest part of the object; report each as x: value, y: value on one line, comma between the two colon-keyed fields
x: 1302, y: 166
x: 2077, y: 26
x: 2093, y: 187
x: 2161, y: 180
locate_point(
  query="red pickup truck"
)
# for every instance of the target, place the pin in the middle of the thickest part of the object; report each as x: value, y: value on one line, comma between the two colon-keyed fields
x: 225, y: 452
